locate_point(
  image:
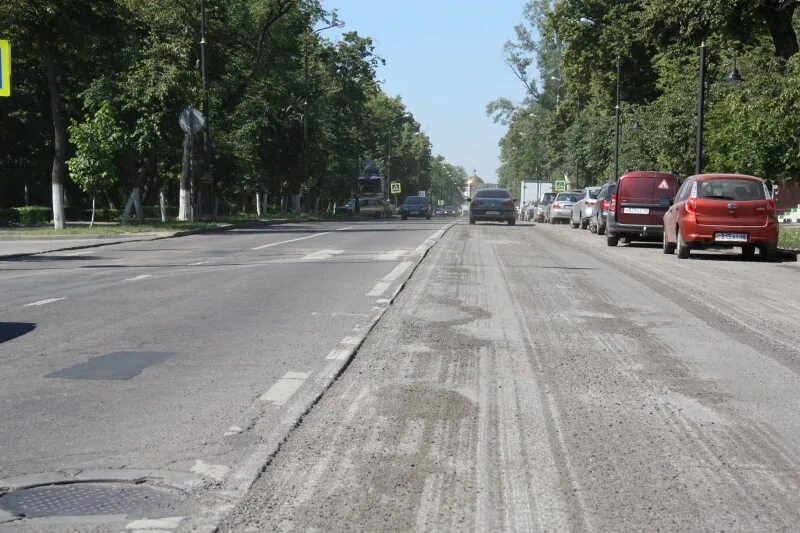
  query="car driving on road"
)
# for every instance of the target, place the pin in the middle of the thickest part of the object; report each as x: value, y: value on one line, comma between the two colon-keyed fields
x: 542, y: 210
x: 492, y: 205
x: 722, y: 211
x: 415, y: 206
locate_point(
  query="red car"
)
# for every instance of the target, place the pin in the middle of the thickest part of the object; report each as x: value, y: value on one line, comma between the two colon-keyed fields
x: 722, y: 211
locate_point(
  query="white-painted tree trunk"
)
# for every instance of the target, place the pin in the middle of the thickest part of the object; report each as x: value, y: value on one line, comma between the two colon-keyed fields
x: 58, y: 206
x: 134, y: 201
x: 185, y: 206
x: 91, y: 222
x: 162, y: 203
x: 258, y: 204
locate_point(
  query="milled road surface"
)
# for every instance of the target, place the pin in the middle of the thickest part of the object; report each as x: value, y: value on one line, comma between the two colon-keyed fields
x: 183, y: 362
x: 531, y: 378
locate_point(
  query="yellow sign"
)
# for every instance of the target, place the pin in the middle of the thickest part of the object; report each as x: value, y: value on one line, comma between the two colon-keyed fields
x: 5, y: 68
x: 394, y: 187
x: 441, y: 202
x: 560, y: 186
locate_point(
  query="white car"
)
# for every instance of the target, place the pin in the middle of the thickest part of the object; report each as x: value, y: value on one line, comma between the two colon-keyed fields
x: 582, y: 209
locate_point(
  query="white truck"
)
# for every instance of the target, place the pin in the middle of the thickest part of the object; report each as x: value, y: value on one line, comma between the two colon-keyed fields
x: 530, y: 193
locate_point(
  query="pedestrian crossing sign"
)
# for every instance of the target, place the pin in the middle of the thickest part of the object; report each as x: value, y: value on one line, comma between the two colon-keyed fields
x: 560, y: 186
x: 5, y: 68
x: 395, y: 187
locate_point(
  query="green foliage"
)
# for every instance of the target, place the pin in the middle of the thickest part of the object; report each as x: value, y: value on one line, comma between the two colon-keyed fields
x: 25, y: 216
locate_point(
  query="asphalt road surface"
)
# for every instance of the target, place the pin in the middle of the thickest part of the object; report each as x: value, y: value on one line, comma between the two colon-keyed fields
x: 531, y: 378
x: 524, y: 378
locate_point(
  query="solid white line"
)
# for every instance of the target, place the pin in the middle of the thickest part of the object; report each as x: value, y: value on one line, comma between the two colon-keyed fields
x: 322, y: 254
x: 379, y: 289
x: 338, y: 355
x: 42, y: 302
x: 291, y: 240
x: 350, y: 341
x: 78, y: 253
x: 199, y: 263
x: 398, y: 271
x: 143, y: 276
x: 283, y: 389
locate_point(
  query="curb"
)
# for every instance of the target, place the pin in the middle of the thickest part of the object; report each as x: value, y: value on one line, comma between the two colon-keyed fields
x: 152, y: 237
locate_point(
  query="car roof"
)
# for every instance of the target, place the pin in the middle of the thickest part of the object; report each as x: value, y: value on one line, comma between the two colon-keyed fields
x: 725, y: 176
x: 491, y: 189
x: 648, y: 174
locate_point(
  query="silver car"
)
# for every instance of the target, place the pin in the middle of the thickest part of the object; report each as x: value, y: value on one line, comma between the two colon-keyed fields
x: 582, y: 209
x: 561, y: 208
x: 543, y: 208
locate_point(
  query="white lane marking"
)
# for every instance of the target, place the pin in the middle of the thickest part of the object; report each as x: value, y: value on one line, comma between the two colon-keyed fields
x: 322, y: 254
x: 283, y: 389
x: 43, y: 302
x: 216, y: 472
x: 75, y: 254
x: 291, y: 240
x: 398, y: 271
x: 383, y: 301
x: 199, y: 263
x: 233, y: 430
x: 155, y: 524
x: 350, y: 341
x: 391, y: 255
x: 379, y: 289
x: 137, y: 278
x: 338, y: 355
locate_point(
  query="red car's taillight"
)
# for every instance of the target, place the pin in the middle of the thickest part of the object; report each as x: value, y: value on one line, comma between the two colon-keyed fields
x: 771, y: 207
x: 691, y: 206
x: 556, y: 206
x: 509, y: 202
x: 613, y: 206
x: 604, y: 204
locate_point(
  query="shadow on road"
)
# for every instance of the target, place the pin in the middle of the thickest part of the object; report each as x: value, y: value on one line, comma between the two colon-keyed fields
x: 12, y: 330
x: 50, y: 258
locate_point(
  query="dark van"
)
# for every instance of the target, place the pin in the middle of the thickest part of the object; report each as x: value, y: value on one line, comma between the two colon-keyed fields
x: 638, y: 206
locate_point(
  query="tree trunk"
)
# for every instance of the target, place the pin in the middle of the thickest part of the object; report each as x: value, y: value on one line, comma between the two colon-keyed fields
x: 185, y: 201
x: 265, y: 202
x: 91, y: 222
x: 779, y: 24
x: 258, y: 204
x: 162, y: 203
x: 59, y: 140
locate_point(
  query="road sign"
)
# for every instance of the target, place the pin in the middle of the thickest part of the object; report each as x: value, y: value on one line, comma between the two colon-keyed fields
x: 441, y: 202
x: 192, y: 120
x: 5, y: 68
x: 560, y: 186
x: 394, y: 187
x: 421, y: 193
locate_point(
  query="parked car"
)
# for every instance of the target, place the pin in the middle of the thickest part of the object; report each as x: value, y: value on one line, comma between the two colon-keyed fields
x: 637, y: 207
x: 582, y: 209
x: 597, y: 224
x: 542, y: 210
x: 439, y: 211
x: 722, y: 211
x: 492, y: 204
x: 561, y: 208
x: 450, y: 211
x: 415, y: 206
x: 367, y: 207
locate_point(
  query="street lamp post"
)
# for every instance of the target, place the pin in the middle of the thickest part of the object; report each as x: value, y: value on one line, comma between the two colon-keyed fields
x: 732, y: 78
x: 389, y: 157
x: 206, y: 187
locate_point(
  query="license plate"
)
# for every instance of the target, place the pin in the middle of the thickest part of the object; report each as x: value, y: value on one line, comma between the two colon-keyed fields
x: 492, y: 212
x: 636, y: 210
x: 730, y: 237
x: 415, y: 212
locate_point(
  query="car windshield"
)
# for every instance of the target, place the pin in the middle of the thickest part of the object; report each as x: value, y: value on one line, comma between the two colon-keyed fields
x: 593, y: 193
x: 548, y: 198
x: 731, y: 189
x: 415, y: 200
x: 493, y: 193
x: 567, y: 197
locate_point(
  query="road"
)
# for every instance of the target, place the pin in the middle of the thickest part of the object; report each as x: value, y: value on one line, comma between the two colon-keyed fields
x: 184, y: 360
x: 524, y: 378
x: 531, y: 378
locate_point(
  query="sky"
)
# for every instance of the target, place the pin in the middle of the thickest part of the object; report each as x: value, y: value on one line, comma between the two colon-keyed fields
x: 445, y: 59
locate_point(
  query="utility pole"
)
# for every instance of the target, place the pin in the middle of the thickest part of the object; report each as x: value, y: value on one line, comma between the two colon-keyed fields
x: 701, y: 97
x: 207, y: 186
x: 616, y: 128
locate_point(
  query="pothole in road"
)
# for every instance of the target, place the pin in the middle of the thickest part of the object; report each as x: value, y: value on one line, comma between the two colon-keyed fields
x: 94, y: 499
x: 113, y: 366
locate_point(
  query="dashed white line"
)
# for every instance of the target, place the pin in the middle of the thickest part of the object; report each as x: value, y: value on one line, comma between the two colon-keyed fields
x: 199, y: 263
x: 291, y: 240
x: 379, y: 289
x: 43, y: 302
x: 398, y: 271
x: 322, y: 254
x: 137, y: 278
x: 282, y: 390
x: 350, y: 341
x: 338, y: 355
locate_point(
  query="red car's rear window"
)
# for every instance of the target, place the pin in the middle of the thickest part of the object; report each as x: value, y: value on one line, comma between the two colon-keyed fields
x: 646, y: 187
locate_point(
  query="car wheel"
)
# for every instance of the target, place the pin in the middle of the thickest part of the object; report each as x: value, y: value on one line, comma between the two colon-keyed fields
x: 403, y: 217
x: 668, y: 247
x: 584, y: 223
x: 601, y: 229
x: 552, y: 220
x: 573, y: 224
x: 748, y: 251
x: 683, y: 247
x: 593, y: 227
x: 768, y: 252
x: 511, y: 222
x: 471, y: 220
x: 428, y: 217
x: 612, y: 240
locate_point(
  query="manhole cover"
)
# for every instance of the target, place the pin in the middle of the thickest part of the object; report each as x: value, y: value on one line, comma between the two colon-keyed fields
x: 87, y: 499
